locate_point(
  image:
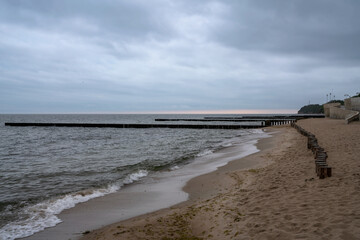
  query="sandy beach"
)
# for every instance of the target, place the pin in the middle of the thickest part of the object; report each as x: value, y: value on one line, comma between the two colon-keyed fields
x: 281, y: 198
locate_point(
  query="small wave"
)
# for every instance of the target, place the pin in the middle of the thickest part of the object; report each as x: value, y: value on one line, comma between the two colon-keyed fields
x: 135, y: 176
x: 174, y: 168
x: 43, y: 215
x: 256, y: 131
x: 204, y: 153
x: 227, y: 145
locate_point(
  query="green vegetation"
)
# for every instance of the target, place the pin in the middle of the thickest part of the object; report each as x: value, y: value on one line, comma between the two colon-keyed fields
x: 318, y: 109
x: 337, y: 101
x: 311, y: 109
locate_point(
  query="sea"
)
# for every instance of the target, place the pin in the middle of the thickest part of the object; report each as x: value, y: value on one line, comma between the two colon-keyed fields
x: 46, y: 170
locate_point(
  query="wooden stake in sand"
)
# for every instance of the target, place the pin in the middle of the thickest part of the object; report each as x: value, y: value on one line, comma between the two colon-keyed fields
x: 321, y: 167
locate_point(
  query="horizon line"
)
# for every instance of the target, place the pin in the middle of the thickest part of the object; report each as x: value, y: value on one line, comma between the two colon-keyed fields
x: 232, y: 111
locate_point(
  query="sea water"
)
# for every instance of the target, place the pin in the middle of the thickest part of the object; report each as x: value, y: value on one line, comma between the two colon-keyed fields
x: 45, y: 170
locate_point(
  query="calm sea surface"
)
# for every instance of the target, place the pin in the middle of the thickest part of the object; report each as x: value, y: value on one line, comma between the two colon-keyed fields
x: 45, y: 170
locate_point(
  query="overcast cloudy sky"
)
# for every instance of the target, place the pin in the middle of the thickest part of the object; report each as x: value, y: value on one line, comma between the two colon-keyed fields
x: 96, y: 56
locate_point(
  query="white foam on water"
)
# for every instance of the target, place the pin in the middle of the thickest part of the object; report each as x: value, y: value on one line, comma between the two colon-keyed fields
x: 204, y: 153
x: 174, y: 168
x: 257, y: 131
x: 135, y: 176
x: 227, y: 145
x: 43, y: 215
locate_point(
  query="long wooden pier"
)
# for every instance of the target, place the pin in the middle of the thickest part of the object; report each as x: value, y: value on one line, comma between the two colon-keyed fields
x: 133, y: 125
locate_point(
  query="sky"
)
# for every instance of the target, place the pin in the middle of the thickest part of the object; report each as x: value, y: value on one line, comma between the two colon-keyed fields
x: 173, y: 56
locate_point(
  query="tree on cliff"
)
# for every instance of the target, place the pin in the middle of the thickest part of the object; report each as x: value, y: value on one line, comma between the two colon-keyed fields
x: 311, y: 109
x: 357, y: 95
x: 337, y: 101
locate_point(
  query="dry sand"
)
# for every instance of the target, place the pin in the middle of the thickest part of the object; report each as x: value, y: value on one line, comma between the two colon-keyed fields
x: 281, y: 199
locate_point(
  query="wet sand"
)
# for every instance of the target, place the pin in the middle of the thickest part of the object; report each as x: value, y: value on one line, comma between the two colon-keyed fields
x: 281, y: 198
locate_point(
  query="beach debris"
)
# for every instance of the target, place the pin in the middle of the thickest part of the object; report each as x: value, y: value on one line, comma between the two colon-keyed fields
x: 321, y: 167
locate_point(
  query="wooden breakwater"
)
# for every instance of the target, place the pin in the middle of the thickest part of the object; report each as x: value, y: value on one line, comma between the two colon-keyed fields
x: 132, y: 125
x: 321, y: 167
x: 262, y: 122
x: 255, y: 122
x: 283, y: 116
x: 219, y: 120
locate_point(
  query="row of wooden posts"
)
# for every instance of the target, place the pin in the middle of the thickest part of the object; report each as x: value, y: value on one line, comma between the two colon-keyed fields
x: 268, y: 123
x: 321, y: 167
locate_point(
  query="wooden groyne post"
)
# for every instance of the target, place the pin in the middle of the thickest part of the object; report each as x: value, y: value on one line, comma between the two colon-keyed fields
x: 263, y: 122
x: 321, y: 167
x: 131, y: 125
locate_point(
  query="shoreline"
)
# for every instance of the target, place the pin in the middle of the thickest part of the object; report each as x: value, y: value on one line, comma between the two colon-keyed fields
x: 209, y: 185
x: 157, y: 191
x: 282, y: 199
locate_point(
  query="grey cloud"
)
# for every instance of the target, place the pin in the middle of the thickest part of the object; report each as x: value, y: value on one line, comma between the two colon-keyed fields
x: 98, y: 56
x: 122, y: 20
x: 315, y: 28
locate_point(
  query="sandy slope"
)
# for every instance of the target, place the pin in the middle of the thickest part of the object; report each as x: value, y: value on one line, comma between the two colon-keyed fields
x: 282, y: 199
